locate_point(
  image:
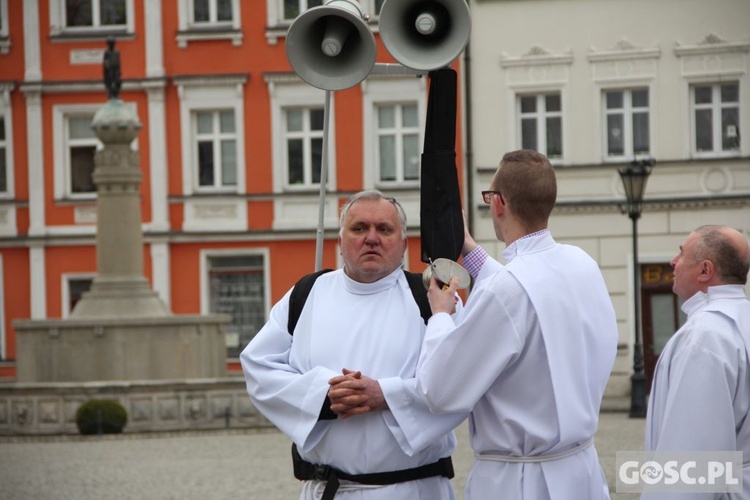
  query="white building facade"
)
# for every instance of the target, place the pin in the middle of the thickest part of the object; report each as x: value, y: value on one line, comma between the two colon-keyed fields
x: 595, y: 85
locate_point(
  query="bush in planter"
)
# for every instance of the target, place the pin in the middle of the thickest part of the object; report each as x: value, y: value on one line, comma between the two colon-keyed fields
x: 101, y: 416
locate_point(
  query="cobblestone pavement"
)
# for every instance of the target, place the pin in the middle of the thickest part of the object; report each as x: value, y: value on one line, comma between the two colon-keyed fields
x: 229, y: 464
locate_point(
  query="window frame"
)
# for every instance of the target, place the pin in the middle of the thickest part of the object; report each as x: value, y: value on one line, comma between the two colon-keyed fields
x: 303, y: 6
x: 205, y: 269
x: 276, y: 10
x: 69, y: 144
x: 61, y: 159
x: 4, y: 28
x: 716, y: 108
x: 380, y: 90
x: 301, y: 207
x: 210, y: 95
x: 541, y: 118
x: 307, y: 135
x: 627, y: 111
x: 213, y: 12
x: 58, y: 22
x: 190, y: 30
x: 399, y: 131
x: 277, y: 25
x: 6, y: 113
x: 65, y: 297
x: 216, y: 136
x: 288, y: 91
x: 63, y: 167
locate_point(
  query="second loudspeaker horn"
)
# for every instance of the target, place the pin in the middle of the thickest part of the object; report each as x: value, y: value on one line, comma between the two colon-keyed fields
x: 425, y: 34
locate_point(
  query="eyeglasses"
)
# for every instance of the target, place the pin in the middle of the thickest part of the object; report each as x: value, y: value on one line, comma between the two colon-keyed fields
x: 487, y: 196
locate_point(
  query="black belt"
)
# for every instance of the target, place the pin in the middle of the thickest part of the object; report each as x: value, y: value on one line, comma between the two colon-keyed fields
x: 304, y: 470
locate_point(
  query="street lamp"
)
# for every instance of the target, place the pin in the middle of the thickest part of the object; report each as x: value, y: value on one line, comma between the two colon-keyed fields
x: 634, y: 178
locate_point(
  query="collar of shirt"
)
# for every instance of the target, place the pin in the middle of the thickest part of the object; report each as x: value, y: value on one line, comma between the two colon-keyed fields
x: 701, y: 299
x: 528, y: 244
x: 378, y: 286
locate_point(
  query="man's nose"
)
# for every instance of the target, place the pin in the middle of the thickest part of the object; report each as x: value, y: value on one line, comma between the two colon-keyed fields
x: 372, y: 237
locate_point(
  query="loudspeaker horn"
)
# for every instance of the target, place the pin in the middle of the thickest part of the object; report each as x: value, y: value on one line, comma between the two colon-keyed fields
x: 330, y: 46
x: 425, y: 34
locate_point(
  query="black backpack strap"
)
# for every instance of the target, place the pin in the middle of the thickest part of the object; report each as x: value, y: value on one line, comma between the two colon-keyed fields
x: 299, y: 296
x: 420, y: 294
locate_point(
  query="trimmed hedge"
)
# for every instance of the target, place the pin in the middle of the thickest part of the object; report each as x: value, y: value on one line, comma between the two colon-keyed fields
x: 101, y: 416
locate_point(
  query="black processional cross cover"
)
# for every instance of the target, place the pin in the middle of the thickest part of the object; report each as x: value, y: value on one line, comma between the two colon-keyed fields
x: 442, y: 225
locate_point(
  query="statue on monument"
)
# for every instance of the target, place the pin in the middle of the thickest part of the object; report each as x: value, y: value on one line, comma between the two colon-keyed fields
x: 112, y: 77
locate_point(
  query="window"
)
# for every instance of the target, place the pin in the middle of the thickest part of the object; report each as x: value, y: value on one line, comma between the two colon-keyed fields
x: 212, y: 153
x: 394, y: 111
x: 81, y: 146
x: 4, y: 33
x: 90, y: 18
x: 6, y: 143
x: 216, y: 149
x: 208, y: 20
x: 304, y: 145
x: 3, y: 157
x: 74, y: 286
x: 716, y: 114
x: 540, y: 123
x: 297, y: 115
x: 211, y: 131
x: 293, y: 8
x: 211, y: 12
x: 398, y: 142
x: 74, y: 148
x: 237, y: 287
x: 95, y: 13
x: 627, y: 123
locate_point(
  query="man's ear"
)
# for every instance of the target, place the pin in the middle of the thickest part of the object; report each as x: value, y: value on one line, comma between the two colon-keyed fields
x: 708, y: 270
x: 498, y: 208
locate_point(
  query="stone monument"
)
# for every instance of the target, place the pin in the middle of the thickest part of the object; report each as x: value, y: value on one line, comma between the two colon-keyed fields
x: 121, y: 340
x: 120, y: 329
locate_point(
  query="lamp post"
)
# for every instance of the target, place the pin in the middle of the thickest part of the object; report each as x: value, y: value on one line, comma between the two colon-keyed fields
x: 634, y: 178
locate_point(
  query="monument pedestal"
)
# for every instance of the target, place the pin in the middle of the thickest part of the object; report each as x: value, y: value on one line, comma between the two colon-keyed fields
x: 137, y: 348
x: 35, y: 409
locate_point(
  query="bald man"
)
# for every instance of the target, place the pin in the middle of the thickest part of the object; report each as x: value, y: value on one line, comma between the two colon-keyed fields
x: 700, y: 398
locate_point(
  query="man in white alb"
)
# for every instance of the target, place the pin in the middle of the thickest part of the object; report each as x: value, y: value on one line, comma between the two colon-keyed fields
x: 531, y: 352
x: 700, y: 395
x: 345, y: 424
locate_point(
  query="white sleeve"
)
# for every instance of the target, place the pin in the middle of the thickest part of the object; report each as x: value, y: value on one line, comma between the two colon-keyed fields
x: 460, y: 361
x: 290, y: 399
x: 409, y: 418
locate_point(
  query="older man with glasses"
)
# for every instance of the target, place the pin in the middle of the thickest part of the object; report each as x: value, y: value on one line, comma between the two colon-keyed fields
x: 530, y: 354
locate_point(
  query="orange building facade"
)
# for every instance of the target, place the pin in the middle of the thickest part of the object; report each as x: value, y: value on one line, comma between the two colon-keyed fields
x: 230, y: 151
